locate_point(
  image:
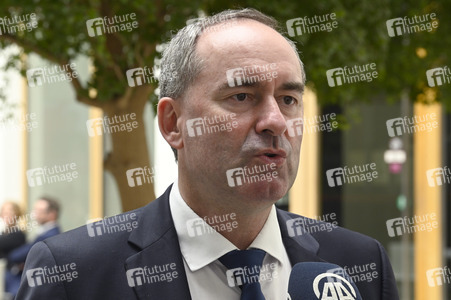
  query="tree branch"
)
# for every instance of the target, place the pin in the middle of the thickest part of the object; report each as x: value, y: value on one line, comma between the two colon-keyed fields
x: 75, y: 82
x: 32, y: 48
x: 113, y: 43
x: 126, y: 98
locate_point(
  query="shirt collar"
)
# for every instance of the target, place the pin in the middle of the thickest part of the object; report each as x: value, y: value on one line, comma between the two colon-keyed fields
x: 201, y: 245
x: 47, y: 226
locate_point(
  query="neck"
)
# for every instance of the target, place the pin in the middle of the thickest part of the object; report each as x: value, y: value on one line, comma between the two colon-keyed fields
x: 48, y: 223
x: 246, y: 222
x: 247, y: 229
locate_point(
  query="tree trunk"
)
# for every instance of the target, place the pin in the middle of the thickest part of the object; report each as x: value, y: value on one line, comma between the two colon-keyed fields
x: 130, y: 149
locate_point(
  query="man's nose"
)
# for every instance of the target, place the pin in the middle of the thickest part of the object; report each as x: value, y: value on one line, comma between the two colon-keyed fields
x: 270, y: 118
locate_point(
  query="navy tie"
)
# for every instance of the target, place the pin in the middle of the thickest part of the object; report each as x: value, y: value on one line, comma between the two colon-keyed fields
x: 244, y: 270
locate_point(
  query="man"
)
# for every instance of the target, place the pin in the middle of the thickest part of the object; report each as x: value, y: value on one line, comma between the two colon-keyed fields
x: 46, y: 211
x: 238, y: 83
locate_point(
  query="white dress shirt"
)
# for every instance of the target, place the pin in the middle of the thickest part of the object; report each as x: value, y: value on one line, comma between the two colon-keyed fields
x: 201, y: 249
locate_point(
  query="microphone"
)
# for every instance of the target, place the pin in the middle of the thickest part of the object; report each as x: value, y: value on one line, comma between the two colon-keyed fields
x: 321, y: 281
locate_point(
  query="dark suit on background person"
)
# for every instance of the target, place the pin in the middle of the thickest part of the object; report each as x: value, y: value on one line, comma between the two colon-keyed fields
x: 102, y: 261
x: 46, y: 211
x: 17, y: 257
x: 10, y: 240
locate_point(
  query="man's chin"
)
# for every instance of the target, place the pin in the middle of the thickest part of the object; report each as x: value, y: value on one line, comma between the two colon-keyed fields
x: 264, y: 192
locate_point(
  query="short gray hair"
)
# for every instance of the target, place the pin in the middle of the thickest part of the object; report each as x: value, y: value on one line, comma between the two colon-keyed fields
x: 180, y: 57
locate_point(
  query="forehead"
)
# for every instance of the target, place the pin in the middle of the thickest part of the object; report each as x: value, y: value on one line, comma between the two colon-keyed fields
x: 41, y: 204
x: 7, y: 207
x: 242, y: 42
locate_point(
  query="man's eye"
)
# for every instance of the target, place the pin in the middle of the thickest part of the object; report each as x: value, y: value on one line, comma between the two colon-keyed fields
x: 240, y: 97
x: 289, y: 100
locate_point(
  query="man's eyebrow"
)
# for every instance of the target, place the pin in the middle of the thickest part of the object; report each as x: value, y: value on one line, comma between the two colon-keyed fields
x: 293, y: 86
x: 287, y: 86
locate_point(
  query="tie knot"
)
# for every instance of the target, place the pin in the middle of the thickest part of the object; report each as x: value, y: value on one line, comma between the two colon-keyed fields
x: 244, y: 271
x: 252, y: 258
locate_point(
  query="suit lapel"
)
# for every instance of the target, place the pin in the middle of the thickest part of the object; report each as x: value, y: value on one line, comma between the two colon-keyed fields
x: 157, y: 271
x: 301, y: 247
x: 158, y: 252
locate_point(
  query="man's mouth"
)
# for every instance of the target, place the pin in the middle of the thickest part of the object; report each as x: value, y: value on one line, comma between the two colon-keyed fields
x: 272, y: 156
x: 273, y: 153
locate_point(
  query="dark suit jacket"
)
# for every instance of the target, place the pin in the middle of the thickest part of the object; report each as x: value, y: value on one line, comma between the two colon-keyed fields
x: 102, y: 261
x: 10, y: 240
x: 19, y: 255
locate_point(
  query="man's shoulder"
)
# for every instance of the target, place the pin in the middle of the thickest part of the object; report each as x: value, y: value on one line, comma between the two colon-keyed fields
x: 361, y: 256
x: 326, y: 232
x: 104, y: 231
x: 116, y: 230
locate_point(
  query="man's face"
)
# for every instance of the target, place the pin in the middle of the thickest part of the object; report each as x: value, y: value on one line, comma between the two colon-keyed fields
x: 41, y: 212
x: 7, y: 213
x: 259, y: 143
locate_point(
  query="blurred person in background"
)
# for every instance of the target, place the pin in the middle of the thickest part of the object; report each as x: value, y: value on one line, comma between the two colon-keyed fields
x: 46, y: 212
x: 12, y: 235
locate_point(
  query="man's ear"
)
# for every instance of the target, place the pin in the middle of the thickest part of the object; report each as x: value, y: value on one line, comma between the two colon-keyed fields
x: 168, y: 114
x: 54, y: 215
